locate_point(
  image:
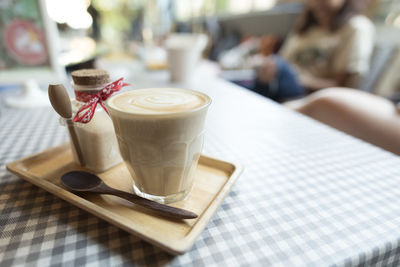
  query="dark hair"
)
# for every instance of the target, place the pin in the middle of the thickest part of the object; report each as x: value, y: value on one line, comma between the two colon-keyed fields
x: 348, y: 10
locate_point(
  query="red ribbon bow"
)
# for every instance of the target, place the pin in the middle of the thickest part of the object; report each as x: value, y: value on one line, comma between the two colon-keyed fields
x: 86, y: 112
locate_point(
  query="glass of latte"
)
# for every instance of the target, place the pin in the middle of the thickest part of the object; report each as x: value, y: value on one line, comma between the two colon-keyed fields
x: 160, y: 135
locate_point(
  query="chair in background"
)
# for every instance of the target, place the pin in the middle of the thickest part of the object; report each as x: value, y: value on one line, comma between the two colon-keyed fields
x: 381, y: 59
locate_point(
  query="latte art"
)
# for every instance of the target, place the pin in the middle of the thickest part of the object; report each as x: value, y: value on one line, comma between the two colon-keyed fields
x: 159, y: 100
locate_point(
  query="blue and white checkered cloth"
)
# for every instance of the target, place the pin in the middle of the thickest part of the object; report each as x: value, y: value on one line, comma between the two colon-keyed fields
x: 309, y: 196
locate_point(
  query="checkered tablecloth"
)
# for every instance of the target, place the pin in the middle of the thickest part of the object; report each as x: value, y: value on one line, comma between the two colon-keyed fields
x: 309, y: 196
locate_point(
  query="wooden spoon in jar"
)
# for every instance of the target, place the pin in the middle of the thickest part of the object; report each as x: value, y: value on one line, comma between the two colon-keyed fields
x: 61, y: 103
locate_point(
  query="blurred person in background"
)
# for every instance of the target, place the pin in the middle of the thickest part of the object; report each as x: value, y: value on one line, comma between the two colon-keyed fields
x: 330, y: 46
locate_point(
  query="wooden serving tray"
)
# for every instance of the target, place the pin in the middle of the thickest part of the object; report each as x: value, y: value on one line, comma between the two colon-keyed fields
x: 214, y: 179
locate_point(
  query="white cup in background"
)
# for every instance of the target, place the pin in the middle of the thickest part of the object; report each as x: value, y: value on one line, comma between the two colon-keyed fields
x: 184, y: 53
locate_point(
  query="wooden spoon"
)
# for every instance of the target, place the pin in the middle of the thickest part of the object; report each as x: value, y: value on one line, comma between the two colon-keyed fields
x: 80, y: 181
x: 61, y: 103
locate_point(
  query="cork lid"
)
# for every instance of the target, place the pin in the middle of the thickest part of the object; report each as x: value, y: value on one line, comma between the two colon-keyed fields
x: 90, y: 77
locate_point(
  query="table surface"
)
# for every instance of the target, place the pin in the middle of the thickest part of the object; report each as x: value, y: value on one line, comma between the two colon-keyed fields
x: 309, y: 195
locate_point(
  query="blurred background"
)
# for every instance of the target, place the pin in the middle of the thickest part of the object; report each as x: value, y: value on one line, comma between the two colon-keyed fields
x: 94, y: 33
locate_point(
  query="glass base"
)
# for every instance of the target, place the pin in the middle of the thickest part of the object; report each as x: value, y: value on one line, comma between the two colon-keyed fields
x: 163, y: 199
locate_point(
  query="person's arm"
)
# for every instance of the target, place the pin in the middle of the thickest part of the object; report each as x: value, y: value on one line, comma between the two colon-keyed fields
x: 366, y: 116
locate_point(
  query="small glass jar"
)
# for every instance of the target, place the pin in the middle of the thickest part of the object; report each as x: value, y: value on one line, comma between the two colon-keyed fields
x: 97, y: 139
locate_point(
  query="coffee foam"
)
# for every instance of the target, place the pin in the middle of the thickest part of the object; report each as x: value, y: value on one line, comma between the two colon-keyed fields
x: 158, y: 101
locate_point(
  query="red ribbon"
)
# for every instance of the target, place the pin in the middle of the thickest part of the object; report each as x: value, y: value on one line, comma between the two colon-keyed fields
x: 86, y: 112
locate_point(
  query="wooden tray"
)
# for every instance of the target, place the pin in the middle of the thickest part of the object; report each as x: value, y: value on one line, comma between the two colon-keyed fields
x: 214, y: 179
